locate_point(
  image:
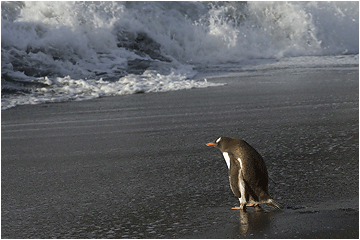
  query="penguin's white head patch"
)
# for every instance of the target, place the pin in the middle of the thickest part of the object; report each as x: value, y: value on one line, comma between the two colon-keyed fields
x: 218, y: 140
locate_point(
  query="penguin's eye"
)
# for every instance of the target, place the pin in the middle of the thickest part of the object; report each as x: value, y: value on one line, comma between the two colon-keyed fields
x: 218, y: 140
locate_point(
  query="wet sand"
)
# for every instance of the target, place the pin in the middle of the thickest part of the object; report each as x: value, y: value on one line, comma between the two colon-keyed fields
x: 137, y: 166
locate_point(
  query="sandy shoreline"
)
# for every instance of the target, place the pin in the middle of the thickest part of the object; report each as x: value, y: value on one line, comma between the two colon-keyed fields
x: 137, y: 165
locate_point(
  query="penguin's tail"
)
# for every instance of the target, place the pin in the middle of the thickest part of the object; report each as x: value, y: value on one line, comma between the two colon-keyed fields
x: 272, y: 203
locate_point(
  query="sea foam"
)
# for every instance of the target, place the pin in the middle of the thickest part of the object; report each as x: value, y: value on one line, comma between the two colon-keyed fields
x: 60, y: 51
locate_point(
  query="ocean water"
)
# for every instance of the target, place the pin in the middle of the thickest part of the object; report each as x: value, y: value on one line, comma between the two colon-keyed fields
x: 66, y: 51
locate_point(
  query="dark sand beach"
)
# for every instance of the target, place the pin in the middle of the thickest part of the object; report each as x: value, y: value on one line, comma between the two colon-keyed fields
x: 137, y: 166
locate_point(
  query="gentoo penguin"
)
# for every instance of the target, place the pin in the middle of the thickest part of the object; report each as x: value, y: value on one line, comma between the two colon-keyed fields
x: 247, y: 172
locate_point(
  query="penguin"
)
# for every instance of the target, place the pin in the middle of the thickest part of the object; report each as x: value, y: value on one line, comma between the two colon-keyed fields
x: 248, y: 174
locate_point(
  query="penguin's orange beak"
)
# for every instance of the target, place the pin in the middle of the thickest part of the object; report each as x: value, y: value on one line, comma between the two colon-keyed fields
x: 210, y: 144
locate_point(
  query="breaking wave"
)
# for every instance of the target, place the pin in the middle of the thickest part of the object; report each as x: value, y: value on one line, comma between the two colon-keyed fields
x: 60, y: 51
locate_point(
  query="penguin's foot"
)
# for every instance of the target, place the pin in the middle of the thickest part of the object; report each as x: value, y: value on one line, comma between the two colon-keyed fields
x: 252, y: 204
x: 241, y: 207
x: 256, y: 206
x: 238, y: 208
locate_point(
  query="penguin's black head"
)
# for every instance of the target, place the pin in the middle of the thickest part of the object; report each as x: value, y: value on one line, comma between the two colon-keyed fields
x: 219, y: 143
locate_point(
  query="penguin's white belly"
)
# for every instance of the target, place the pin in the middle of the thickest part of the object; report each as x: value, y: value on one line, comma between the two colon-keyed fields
x: 227, y: 159
x: 239, y: 159
x: 241, y: 181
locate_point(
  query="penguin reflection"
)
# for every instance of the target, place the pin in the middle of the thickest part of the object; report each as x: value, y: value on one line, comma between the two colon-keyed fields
x: 252, y: 221
x: 244, y: 222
